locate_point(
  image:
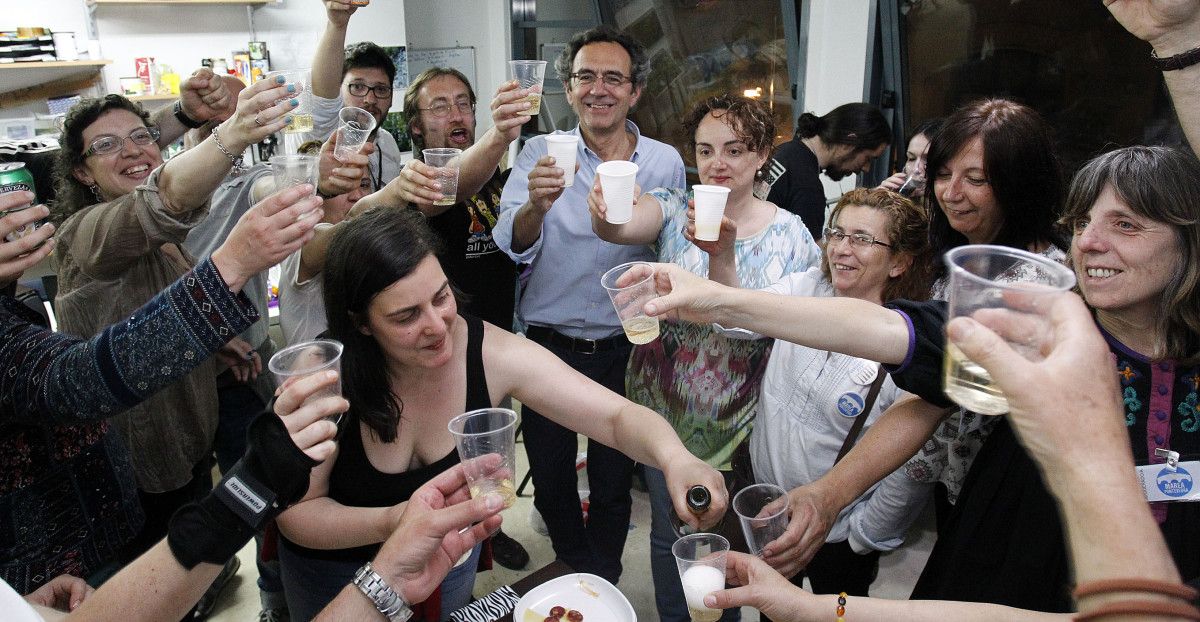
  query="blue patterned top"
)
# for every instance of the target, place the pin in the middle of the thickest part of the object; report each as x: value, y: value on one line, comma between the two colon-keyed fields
x: 68, y: 499
x: 705, y: 384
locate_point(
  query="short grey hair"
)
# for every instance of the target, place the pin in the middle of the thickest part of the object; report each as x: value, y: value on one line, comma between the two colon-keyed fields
x: 639, y: 61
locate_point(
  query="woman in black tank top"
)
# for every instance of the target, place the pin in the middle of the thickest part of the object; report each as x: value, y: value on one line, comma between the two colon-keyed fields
x: 410, y: 364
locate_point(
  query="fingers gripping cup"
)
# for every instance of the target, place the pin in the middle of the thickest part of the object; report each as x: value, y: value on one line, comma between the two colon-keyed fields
x: 306, y: 359
x: 762, y: 510
x: 486, y: 440
x: 448, y: 161
x: 563, y: 147
x: 631, y: 286
x: 710, y: 208
x: 354, y: 127
x: 700, y: 559
x: 529, y: 75
x: 617, y: 178
x: 293, y: 170
x: 301, y: 116
x: 1009, y: 290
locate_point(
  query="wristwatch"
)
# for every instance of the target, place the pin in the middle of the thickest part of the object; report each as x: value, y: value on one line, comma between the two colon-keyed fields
x: 187, y: 121
x: 386, y: 600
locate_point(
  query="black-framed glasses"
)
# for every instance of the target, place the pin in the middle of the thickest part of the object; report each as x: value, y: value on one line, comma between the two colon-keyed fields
x: 610, y: 78
x: 360, y: 89
x: 106, y: 144
x: 835, y: 236
x: 443, y: 110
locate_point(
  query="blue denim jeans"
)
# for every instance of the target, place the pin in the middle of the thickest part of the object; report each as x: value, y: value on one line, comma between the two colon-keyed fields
x: 668, y: 591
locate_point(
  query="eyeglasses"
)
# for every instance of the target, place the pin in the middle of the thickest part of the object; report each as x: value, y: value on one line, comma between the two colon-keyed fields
x: 360, y: 89
x: 835, y: 236
x: 443, y: 110
x: 106, y: 144
x: 610, y: 78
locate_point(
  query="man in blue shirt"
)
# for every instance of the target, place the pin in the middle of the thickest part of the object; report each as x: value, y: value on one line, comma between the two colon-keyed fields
x: 567, y: 311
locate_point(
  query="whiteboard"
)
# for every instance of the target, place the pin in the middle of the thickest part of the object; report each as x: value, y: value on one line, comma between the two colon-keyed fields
x: 462, y: 59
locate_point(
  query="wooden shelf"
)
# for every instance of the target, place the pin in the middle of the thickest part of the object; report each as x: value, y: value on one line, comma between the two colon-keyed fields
x: 166, y: 97
x: 30, y: 81
x: 94, y: 3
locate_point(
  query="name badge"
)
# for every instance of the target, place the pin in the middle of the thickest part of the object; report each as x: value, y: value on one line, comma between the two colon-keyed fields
x: 1160, y: 482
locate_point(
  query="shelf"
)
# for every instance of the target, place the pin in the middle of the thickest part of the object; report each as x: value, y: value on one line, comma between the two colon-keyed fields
x: 94, y: 3
x: 152, y: 98
x: 31, y: 81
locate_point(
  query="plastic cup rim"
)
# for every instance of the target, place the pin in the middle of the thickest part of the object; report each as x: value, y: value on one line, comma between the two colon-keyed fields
x: 1067, y: 275
x: 360, y: 112
x: 626, y: 167
x: 702, y: 535
x: 463, y: 417
x: 774, y: 487
x: 710, y: 188
x: 271, y: 364
x: 626, y: 265
x: 562, y: 138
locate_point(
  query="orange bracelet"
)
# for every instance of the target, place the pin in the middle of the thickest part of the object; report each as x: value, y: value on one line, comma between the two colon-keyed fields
x: 1105, y: 586
x: 841, y: 609
x: 1141, y: 607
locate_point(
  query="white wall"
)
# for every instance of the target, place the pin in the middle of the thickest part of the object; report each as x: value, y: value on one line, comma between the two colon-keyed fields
x: 481, y: 24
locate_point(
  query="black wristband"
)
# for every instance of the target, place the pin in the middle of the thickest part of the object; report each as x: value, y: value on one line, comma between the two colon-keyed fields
x: 187, y: 121
x: 271, y: 476
x: 1178, y: 61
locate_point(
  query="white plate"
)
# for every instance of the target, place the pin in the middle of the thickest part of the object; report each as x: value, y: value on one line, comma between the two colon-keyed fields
x: 603, y: 604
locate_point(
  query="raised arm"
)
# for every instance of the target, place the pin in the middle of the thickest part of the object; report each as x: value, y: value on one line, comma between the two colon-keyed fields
x: 327, y: 62
x: 847, y: 325
x: 203, y: 97
x: 643, y: 228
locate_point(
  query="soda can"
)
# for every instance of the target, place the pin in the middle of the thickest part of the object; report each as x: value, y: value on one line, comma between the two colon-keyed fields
x: 14, y: 177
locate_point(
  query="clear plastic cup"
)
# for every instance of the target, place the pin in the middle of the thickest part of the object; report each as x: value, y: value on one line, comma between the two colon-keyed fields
x: 301, y: 116
x: 306, y: 359
x: 617, y: 178
x: 563, y: 147
x: 354, y: 127
x: 529, y: 74
x: 630, y: 286
x: 448, y: 160
x: 710, y: 208
x: 762, y: 510
x: 482, y: 436
x: 700, y: 559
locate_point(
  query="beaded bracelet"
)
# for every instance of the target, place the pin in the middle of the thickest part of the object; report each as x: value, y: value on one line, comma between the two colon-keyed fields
x: 236, y: 161
x: 841, y: 610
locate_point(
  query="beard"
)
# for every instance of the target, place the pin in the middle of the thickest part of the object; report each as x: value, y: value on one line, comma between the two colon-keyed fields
x: 835, y: 173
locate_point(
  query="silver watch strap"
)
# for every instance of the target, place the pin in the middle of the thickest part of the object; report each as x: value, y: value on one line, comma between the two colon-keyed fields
x: 385, y: 599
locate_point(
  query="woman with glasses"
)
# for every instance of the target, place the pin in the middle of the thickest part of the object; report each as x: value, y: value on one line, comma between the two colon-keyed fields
x: 124, y: 215
x: 706, y: 385
x: 875, y: 249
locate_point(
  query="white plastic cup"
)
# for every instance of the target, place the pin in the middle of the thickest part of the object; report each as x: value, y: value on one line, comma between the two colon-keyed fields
x: 710, y: 208
x: 563, y: 147
x: 617, y: 179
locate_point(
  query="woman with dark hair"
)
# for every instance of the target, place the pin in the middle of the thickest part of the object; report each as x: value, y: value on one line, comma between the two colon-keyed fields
x: 910, y: 179
x: 411, y: 363
x: 124, y: 215
x: 706, y: 385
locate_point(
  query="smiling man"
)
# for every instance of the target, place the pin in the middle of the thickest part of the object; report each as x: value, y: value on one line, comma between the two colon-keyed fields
x: 548, y: 226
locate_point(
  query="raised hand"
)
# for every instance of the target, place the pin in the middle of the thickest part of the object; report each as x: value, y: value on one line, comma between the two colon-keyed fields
x: 304, y: 418
x: 23, y: 252
x: 266, y: 234
x: 205, y: 96
x: 1171, y: 26
x: 339, y: 11
x: 344, y: 175
x: 545, y: 184
x: 509, y: 112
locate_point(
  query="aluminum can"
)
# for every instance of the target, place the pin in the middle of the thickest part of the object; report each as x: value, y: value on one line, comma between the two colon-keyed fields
x: 14, y: 177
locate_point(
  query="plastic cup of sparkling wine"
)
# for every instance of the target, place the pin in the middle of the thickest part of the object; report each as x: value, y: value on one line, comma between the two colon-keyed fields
x: 700, y: 558
x: 354, y: 127
x: 486, y: 440
x: 710, y: 208
x: 1010, y: 291
x: 306, y: 359
x: 301, y: 118
x: 630, y: 286
x: 529, y: 75
x: 762, y: 510
x: 447, y: 160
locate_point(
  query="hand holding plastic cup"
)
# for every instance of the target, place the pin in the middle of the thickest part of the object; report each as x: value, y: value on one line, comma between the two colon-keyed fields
x: 630, y: 286
x: 529, y: 75
x: 354, y: 127
x: 486, y: 440
x: 700, y: 559
x: 294, y: 170
x: 710, y: 209
x: 998, y: 282
x: 446, y: 159
x: 563, y: 147
x: 762, y: 510
x: 306, y: 359
x: 300, y: 117
x: 617, y: 178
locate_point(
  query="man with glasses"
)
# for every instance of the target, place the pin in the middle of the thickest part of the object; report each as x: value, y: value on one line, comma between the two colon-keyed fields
x: 358, y: 75
x: 548, y: 226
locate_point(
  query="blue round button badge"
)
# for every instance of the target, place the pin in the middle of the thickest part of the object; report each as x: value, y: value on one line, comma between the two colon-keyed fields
x: 850, y: 404
x: 1177, y: 483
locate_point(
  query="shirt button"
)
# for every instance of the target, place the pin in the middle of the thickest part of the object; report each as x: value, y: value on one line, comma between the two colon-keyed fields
x: 1164, y: 366
x: 1162, y: 416
x: 1162, y: 389
x: 1158, y: 439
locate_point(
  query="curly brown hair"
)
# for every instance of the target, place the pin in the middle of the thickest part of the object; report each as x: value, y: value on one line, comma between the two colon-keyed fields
x: 908, y: 233
x: 749, y: 119
x: 72, y: 195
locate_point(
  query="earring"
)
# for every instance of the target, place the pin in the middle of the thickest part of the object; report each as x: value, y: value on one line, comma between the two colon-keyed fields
x: 96, y: 193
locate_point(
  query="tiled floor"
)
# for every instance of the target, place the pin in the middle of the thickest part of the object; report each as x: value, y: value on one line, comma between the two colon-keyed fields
x: 897, y: 574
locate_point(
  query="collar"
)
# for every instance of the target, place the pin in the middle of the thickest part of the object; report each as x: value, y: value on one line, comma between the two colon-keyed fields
x: 630, y: 127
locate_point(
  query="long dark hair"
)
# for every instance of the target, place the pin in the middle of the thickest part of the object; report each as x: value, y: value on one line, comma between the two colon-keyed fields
x: 1162, y: 184
x: 1020, y: 160
x: 367, y: 255
x: 862, y: 126
x: 72, y: 195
